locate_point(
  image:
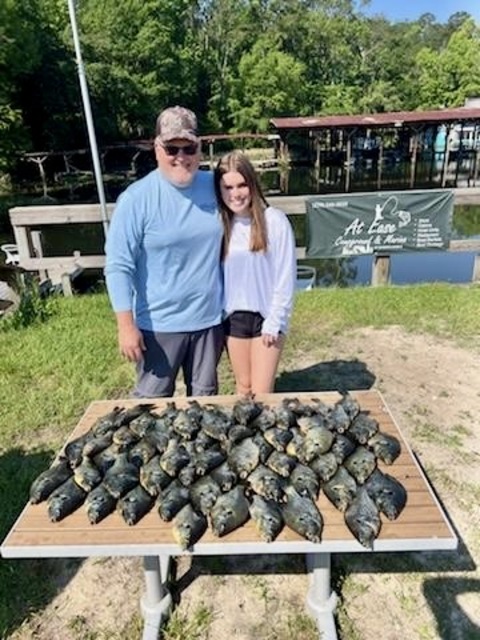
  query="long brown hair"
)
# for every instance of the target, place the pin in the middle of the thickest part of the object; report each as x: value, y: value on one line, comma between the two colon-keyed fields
x: 238, y: 161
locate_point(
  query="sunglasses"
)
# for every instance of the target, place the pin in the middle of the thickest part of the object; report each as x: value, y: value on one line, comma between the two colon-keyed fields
x: 173, y: 150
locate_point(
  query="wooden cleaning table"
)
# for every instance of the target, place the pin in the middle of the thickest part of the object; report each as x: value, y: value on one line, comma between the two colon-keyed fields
x: 422, y: 525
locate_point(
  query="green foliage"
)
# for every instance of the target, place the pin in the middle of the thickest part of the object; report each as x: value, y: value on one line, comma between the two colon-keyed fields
x: 33, y: 307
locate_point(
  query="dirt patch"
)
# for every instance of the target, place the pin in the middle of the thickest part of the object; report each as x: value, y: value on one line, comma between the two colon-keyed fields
x: 432, y: 388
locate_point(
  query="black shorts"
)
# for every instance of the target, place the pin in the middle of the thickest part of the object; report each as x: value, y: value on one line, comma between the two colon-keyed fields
x: 243, y: 324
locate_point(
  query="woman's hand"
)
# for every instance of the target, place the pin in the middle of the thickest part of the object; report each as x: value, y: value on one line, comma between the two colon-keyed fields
x: 270, y: 340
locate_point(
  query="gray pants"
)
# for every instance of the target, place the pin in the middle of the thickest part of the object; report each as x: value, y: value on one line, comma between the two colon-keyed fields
x: 197, y: 353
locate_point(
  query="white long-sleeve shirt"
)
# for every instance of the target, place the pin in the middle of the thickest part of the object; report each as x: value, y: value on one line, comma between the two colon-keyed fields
x: 262, y: 282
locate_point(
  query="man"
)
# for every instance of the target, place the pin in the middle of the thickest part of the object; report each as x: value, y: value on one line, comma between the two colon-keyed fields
x: 163, y: 266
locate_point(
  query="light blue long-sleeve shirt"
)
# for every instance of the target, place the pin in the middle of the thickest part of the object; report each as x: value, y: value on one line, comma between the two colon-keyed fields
x: 163, y: 254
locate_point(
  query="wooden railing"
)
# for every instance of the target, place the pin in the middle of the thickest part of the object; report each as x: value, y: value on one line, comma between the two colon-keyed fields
x: 62, y: 269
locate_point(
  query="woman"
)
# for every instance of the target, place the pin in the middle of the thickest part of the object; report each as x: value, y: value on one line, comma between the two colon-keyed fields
x: 259, y: 265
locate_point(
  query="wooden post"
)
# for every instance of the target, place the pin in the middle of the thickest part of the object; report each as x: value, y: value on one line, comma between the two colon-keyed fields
x: 379, y: 166
x: 348, y: 161
x: 476, y: 269
x: 413, y: 162
x: 210, y: 154
x: 446, y: 158
x: 380, y: 270
x: 37, y: 247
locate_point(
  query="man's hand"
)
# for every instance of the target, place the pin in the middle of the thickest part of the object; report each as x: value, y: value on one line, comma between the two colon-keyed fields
x: 130, y: 338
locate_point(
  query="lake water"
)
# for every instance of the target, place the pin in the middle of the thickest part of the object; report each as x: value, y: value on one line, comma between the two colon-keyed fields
x: 406, y: 268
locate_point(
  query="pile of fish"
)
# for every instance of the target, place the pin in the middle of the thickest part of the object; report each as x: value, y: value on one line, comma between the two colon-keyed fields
x: 220, y: 466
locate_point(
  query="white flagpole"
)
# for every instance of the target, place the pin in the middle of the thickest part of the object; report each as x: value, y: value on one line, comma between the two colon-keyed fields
x: 88, y: 117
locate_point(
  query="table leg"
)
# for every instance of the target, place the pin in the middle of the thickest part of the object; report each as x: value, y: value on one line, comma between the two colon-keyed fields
x: 156, y: 603
x: 321, y: 600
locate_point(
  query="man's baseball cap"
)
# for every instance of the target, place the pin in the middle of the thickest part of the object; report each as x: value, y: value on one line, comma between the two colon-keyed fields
x: 177, y: 122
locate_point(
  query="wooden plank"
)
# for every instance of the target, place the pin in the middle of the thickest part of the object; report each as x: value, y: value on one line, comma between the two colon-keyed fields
x: 421, y: 520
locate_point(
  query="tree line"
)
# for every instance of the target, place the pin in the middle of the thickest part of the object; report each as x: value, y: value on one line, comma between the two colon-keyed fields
x: 237, y: 63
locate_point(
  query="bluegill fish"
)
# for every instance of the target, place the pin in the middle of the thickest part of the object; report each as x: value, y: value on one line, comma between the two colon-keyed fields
x: 264, y: 449
x: 99, y: 503
x: 339, y: 419
x: 224, y: 476
x: 174, y: 458
x: 141, y: 452
x: 188, y: 527
x: 126, y: 416
x: 265, y: 419
x: 302, y: 515
x: 305, y: 481
x: 278, y: 438
x: 350, y: 405
x: 284, y: 417
x: 267, y: 517
x: 65, y: 500
x: 244, y: 457
x: 135, y: 504
x: 121, y: 476
x: 363, y: 428
x: 230, y: 511
x: 362, y: 518
x: 87, y: 475
x: 341, y: 489
x: 388, y: 494
x: 385, y: 447
x: 342, y: 447
x: 142, y: 424
x: 188, y: 474
x: 153, y: 478
x: 125, y: 437
x: 305, y: 423
x: 216, y: 424
x: 185, y: 425
x: 204, y: 493
x: 172, y: 499
x: 267, y: 483
x: 281, y: 463
x: 107, y: 422
x: 246, y: 410
x: 236, y: 434
x: 207, y: 460
x: 74, y: 449
x: 158, y: 438
x: 95, y: 445
x: 360, y: 464
x: 318, y: 440
x: 325, y: 466
x: 49, y: 480
x: 105, y: 459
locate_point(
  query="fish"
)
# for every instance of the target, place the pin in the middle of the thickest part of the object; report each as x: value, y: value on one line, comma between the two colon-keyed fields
x: 105, y: 459
x: 171, y: 500
x: 74, y: 449
x: 97, y: 443
x: 267, y: 483
x: 302, y: 515
x: 244, y: 457
x: 246, y: 410
x: 158, y: 437
x: 49, y: 480
x: 350, y: 405
x: 125, y: 437
x: 360, y: 464
x: 339, y: 419
x: 128, y: 415
x: 203, y: 441
x: 278, y: 438
x: 216, y: 424
x: 135, y: 504
x: 188, y: 474
x: 305, y: 423
x: 230, y: 511
x: 207, y: 460
x: 87, y: 475
x: 224, y: 476
x: 295, y: 448
x: 385, y: 447
x: 281, y: 463
x: 325, y: 466
x: 318, y: 440
x: 99, y: 503
x: 121, y: 477
x: 204, y: 493
x: 296, y: 407
x: 342, y: 447
x: 142, y: 452
x: 141, y: 425
x: 65, y: 500
x: 362, y: 518
x: 285, y: 417
x: 305, y: 481
x: 388, y: 494
x: 107, y: 423
x: 185, y: 425
x: 363, y: 428
x: 340, y: 489
x: 236, y: 434
x: 174, y: 458
x: 188, y: 527
x: 153, y: 478
x: 264, y: 448
x: 265, y: 419
x: 267, y: 517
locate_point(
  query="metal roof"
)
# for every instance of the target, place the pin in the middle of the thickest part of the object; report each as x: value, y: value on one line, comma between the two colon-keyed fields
x: 395, y: 119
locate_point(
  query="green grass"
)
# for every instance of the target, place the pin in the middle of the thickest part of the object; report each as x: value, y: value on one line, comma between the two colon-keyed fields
x: 50, y: 371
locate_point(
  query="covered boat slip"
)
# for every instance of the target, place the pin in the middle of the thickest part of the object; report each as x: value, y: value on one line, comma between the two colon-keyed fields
x: 422, y: 525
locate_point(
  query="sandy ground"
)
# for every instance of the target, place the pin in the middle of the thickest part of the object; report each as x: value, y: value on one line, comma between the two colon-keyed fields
x: 432, y: 388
